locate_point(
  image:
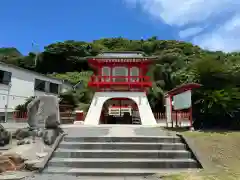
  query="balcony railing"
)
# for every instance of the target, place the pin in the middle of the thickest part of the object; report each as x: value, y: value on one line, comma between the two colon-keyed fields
x: 120, y: 80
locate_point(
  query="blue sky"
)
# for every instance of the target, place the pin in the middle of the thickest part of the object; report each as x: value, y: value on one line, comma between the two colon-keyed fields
x: 213, y: 24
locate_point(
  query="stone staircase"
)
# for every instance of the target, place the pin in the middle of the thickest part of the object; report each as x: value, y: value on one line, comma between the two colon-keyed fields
x: 120, y: 156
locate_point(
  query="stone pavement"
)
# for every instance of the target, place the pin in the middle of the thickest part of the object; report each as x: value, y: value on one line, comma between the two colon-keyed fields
x: 66, y: 177
x: 114, y: 131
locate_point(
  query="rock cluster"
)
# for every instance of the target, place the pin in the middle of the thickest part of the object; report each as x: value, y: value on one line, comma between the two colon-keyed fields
x: 11, y: 162
x: 5, y: 136
x: 44, y: 122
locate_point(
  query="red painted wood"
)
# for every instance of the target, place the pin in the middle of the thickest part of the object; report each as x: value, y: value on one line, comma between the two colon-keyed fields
x: 183, y: 88
x: 99, y: 82
x: 179, y: 90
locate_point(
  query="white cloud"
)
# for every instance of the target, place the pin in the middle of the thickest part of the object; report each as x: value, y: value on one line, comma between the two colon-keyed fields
x: 190, y: 32
x: 196, y: 14
x: 225, y: 38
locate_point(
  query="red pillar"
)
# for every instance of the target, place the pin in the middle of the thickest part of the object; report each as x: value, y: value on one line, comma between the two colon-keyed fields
x: 190, y: 117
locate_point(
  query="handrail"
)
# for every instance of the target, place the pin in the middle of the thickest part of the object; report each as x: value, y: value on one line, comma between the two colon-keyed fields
x: 95, y: 78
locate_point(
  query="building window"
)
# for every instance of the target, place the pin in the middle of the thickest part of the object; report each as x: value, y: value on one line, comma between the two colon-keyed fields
x: 120, y: 71
x: 53, y: 88
x: 5, y: 77
x: 106, y: 72
x: 39, y: 85
x: 134, y: 72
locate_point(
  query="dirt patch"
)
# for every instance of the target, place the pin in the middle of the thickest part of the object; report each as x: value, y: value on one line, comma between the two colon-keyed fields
x: 221, y: 150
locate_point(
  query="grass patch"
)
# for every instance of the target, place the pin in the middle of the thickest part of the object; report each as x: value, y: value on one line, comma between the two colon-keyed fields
x: 221, y: 150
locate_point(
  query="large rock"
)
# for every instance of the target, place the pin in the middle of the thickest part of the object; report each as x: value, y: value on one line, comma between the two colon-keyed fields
x: 11, y: 162
x: 50, y: 135
x: 43, y: 112
x: 20, y: 134
x: 5, y: 136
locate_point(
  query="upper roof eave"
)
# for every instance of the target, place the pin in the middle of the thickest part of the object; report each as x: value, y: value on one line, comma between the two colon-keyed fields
x: 183, y: 87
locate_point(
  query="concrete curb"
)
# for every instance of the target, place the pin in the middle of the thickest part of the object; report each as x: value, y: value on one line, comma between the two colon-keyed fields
x: 15, y: 175
x: 40, y: 166
x: 190, y: 147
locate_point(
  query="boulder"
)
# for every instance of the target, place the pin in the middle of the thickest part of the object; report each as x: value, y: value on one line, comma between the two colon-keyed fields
x: 6, y: 164
x: 43, y: 112
x: 22, y: 133
x: 11, y: 162
x: 51, y: 122
x: 22, y: 142
x: 50, y: 135
x: 15, y: 158
x: 5, y: 136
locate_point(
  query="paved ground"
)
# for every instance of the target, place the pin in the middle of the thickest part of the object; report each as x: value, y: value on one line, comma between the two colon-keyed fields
x: 31, y: 176
x: 114, y: 131
x: 86, y: 131
x: 63, y: 177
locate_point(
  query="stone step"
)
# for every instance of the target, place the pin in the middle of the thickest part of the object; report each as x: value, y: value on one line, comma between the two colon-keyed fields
x: 122, y: 163
x: 72, y: 153
x: 112, y: 172
x: 122, y: 145
x: 166, y: 139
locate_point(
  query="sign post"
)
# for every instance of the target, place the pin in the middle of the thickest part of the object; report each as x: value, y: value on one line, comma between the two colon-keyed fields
x: 179, y: 99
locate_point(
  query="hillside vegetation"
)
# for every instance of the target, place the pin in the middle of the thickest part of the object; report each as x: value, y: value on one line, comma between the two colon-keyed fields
x: 217, y: 103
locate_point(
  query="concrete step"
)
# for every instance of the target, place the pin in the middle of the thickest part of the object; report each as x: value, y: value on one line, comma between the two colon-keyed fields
x: 72, y: 153
x: 166, y: 139
x: 122, y: 163
x: 111, y: 172
x: 122, y: 145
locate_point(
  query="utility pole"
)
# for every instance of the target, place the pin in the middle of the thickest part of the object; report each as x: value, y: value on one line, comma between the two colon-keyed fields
x: 35, y: 47
x: 6, y: 106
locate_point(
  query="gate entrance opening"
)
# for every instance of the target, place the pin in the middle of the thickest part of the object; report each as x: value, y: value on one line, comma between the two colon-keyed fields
x: 120, y: 111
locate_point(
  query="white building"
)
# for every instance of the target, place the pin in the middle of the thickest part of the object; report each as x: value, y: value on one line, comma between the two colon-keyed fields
x: 18, y: 84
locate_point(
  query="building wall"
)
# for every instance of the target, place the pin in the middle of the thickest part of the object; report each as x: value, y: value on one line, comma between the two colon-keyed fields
x: 140, y: 98
x: 21, y: 87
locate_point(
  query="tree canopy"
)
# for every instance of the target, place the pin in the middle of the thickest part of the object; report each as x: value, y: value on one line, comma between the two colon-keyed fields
x: 216, y: 103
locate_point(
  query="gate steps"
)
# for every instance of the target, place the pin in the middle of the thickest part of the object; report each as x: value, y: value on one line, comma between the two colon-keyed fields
x: 121, y: 156
x: 112, y: 172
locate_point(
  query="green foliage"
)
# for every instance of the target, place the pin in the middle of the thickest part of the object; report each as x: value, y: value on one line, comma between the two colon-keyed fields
x: 23, y: 107
x: 215, y: 104
x: 74, y: 77
x: 9, y: 52
x: 80, y: 99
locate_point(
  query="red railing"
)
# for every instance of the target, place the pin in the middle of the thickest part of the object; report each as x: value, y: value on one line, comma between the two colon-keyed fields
x: 178, y: 119
x: 69, y: 117
x: 175, y: 116
x: 120, y: 80
x: 65, y: 117
x: 18, y: 115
